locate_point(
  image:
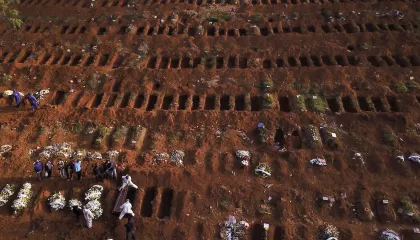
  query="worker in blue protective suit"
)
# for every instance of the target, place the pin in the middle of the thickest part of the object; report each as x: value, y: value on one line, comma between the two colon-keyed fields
x: 32, y: 100
x: 17, y: 97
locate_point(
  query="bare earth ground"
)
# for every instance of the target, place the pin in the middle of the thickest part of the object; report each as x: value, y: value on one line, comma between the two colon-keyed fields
x: 194, y: 84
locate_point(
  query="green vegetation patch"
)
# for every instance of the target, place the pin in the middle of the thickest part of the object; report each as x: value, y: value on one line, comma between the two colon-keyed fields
x: 388, y: 136
x: 217, y: 15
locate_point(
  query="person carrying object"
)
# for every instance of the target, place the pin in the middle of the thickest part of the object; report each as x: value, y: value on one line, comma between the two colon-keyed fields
x: 127, y: 181
x: 32, y: 100
x: 126, y: 208
x: 17, y: 97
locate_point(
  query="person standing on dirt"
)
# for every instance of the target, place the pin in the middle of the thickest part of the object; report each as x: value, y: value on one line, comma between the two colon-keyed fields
x: 38, y: 168
x: 77, y: 211
x: 32, y: 100
x: 17, y: 97
x: 78, y: 169
x: 129, y: 229
x: 48, y: 168
x: 110, y: 169
x: 61, y: 168
x: 88, y: 216
x: 126, y: 208
x: 127, y: 181
x: 97, y: 173
x: 69, y: 170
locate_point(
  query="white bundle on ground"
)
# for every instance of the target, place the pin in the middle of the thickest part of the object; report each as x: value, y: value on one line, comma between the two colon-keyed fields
x: 113, y: 154
x: 7, y: 92
x: 5, y: 149
x: 6, y: 193
x: 74, y: 202
x: 57, y: 201
x: 233, y: 230
x: 177, y: 157
x: 358, y: 157
x: 79, y: 154
x: 319, y: 161
x: 94, y: 193
x: 57, y: 150
x: 92, y: 196
x: 263, y: 170
x: 329, y: 232
x: 41, y: 93
x: 23, y: 198
x: 94, y: 155
x: 160, y: 158
x: 244, y: 156
x: 389, y: 235
x: 95, y: 207
x: 414, y: 157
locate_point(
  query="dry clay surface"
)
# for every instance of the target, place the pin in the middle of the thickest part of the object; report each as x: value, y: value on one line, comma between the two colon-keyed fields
x: 336, y: 80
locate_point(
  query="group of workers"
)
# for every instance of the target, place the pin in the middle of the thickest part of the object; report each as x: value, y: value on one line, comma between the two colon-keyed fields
x: 20, y: 98
x: 108, y: 169
x: 125, y: 208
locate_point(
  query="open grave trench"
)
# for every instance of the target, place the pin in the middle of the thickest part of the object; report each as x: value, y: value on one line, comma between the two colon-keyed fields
x: 271, y: 29
x: 138, y: 145
x: 206, y: 102
x: 157, y: 203
x: 116, y: 60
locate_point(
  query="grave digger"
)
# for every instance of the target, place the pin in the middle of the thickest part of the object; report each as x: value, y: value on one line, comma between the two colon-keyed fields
x: 39, y: 95
x: 126, y: 193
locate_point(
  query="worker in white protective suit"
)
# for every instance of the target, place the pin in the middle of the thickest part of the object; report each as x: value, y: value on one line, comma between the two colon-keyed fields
x: 127, y: 181
x: 126, y: 208
x: 88, y: 216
